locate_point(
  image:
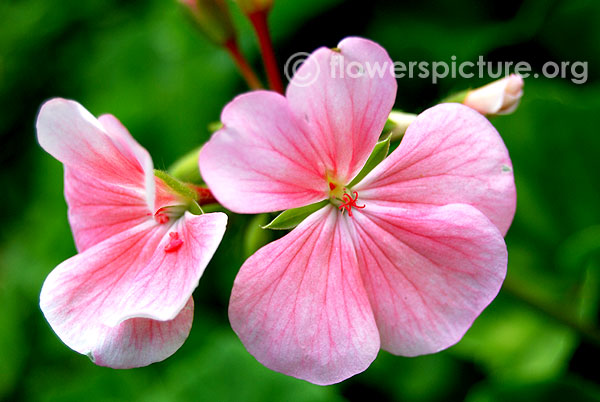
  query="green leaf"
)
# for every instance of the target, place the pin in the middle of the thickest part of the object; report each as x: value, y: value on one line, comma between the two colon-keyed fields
x: 292, y: 217
x: 379, y: 153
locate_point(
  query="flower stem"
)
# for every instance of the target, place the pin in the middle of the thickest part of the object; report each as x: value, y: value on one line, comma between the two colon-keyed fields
x: 259, y: 22
x: 554, y: 311
x: 242, y: 64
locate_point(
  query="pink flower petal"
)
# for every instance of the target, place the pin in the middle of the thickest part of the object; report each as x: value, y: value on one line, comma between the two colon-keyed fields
x: 344, y: 110
x: 299, y: 305
x: 109, y: 178
x: 138, y: 342
x: 128, y: 145
x: 449, y: 154
x: 263, y: 159
x: 73, y: 136
x: 428, y: 271
x: 147, y: 271
x: 99, y: 209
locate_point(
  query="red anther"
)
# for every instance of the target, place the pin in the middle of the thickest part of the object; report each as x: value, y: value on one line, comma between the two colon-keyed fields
x: 161, y: 217
x: 350, y: 202
x: 174, y: 242
x: 331, y: 186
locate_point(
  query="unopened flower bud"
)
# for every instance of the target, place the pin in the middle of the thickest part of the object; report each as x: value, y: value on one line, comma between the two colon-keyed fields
x: 251, y: 6
x: 213, y: 19
x: 499, y: 97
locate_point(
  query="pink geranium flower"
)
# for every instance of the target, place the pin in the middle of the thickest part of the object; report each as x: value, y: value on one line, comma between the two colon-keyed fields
x: 404, y: 261
x: 126, y: 299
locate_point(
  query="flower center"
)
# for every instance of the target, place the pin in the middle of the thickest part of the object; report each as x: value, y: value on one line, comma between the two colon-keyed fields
x: 165, y: 214
x: 350, y: 202
x: 341, y: 197
x: 161, y: 217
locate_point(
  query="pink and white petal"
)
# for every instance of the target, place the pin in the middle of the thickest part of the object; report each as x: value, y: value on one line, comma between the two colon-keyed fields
x: 139, y: 342
x: 299, y: 304
x: 345, y: 96
x: 263, y: 160
x: 428, y: 271
x: 161, y: 288
x: 139, y: 273
x: 99, y: 209
x: 449, y: 154
x: 72, y: 135
x: 129, y: 146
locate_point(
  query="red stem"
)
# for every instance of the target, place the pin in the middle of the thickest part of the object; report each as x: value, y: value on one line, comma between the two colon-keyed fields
x: 259, y: 22
x: 242, y: 65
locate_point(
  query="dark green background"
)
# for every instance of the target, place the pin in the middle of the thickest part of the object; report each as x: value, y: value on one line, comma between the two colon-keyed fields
x: 143, y: 62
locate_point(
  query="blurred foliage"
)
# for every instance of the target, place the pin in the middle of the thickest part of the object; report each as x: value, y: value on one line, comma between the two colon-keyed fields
x: 143, y: 62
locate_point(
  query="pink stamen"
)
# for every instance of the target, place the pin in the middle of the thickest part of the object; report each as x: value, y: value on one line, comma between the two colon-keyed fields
x: 161, y: 217
x: 174, y: 243
x: 350, y: 202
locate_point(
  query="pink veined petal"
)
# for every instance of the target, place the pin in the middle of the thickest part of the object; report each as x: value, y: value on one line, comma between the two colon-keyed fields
x: 127, y: 144
x: 157, y: 193
x: 263, y: 159
x: 138, y: 342
x: 99, y: 209
x: 345, y: 96
x: 428, y: 271
x: 76, y: 138
x: 109, y: 178
x: 299, y: 304
x: 143, y: 272
x: 449, y: 154
x: 159, y: 290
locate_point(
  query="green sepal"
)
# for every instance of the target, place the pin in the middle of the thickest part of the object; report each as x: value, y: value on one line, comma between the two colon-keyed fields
x: 379, y: 153
x: 176, y: 185
x: 388, y: 127
x: 195, y: 208
x: 292, y: 217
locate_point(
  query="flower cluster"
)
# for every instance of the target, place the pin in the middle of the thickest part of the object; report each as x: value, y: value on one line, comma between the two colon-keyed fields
x: 400, y: 253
